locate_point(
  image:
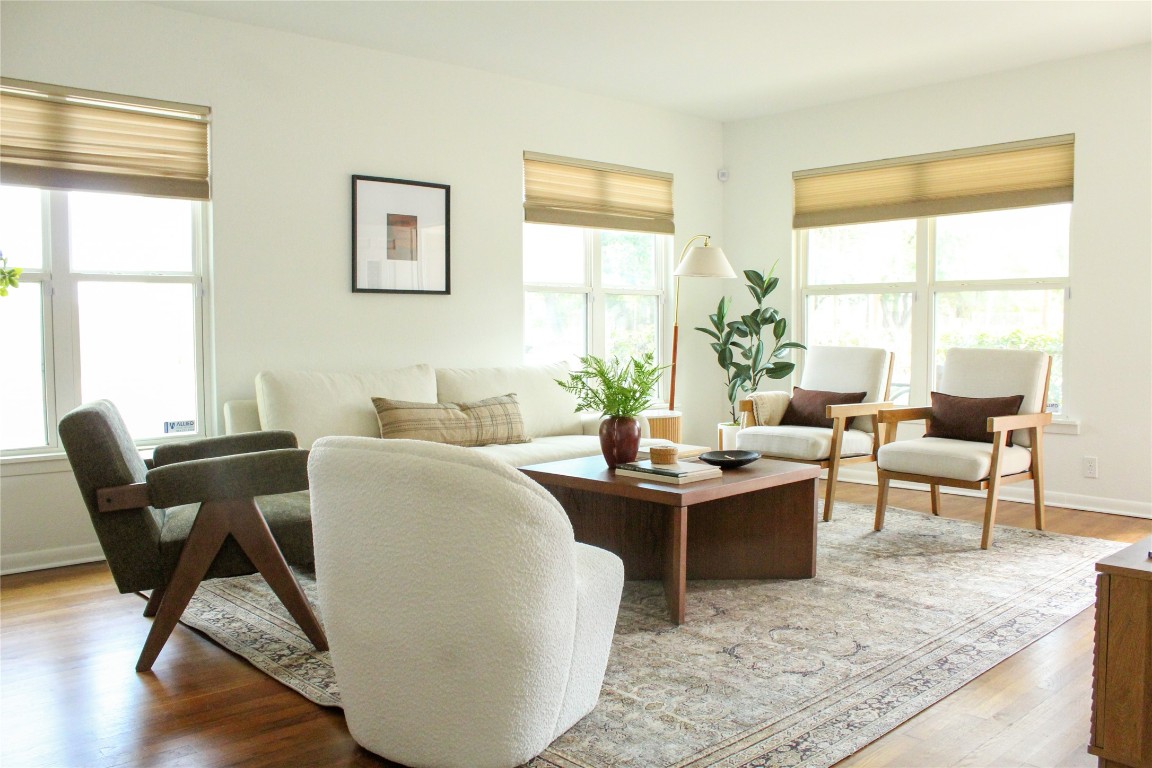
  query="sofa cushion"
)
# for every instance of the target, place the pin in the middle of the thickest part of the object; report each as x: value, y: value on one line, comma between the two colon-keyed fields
x: 546, y: 408
x: 314, y: 404
x: 807, y: 407
x: 966, y: 418
x: 492, y: 421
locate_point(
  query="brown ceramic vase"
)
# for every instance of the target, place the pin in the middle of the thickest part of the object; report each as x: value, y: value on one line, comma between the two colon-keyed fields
x: 619, y: 439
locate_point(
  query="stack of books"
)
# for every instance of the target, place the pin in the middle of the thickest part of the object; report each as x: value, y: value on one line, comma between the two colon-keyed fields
x: 679, y: 473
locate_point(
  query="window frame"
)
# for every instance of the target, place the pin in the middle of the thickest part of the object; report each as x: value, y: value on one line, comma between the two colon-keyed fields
x: 60, y: 319
x: 596, y: 293
x: 923, y: 319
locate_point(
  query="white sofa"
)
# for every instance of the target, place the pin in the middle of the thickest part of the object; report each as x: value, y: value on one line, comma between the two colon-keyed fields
x: 315, y: 404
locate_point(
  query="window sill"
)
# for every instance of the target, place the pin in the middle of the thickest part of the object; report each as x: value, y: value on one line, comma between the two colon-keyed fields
x: 47, y: 463
x: 1063, y: 427
x: 34, y: 464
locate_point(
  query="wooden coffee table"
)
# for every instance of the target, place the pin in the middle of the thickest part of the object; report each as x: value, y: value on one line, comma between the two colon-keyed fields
x: 756, y: 522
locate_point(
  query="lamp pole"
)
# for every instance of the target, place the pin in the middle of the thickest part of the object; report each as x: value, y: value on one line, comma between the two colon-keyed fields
x: 676, y: 319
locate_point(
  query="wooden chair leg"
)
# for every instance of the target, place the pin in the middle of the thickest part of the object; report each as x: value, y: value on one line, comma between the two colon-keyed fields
x: 208, y: 532
x: 990, y: 512
x: 934, y: 493
x: 252, y: 533
x: 1038, y: 502
x: 154, y: 601
x: 881, y: 501
x: 994, y: 483
x: 830, y: 489
x: 1038, y: 476
x: 214, y: 522
x: 834, y: 448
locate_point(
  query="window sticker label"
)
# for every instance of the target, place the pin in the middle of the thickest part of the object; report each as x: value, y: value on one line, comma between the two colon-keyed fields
x: 179, y: 426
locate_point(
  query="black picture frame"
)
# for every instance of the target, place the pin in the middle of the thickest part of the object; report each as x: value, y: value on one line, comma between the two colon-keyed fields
x: 401, y: 236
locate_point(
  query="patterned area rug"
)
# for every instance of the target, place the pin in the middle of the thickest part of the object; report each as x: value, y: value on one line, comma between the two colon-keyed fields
x: 768, y: 673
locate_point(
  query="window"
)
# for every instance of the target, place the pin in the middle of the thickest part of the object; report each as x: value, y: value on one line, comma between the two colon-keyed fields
x: 921, y: 286
x: 596, y: 242
x: 109, y: 306
x: 104, y: 208
x: 592, y: 291
x: 966, y: 248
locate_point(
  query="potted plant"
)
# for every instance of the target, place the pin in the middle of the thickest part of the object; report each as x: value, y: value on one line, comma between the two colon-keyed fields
x: 750, y: 349
x: 620, y: 390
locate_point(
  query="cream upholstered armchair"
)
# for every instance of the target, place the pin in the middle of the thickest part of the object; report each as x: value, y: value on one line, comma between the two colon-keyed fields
x: 468, y: 629
x: 829, y: 420
x: 985, y: 428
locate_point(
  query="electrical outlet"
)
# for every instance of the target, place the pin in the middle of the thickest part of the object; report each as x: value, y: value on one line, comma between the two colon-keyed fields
x: 1089, y: 466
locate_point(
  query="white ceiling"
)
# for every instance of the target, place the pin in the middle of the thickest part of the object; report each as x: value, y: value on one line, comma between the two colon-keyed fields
x: 719, y: 59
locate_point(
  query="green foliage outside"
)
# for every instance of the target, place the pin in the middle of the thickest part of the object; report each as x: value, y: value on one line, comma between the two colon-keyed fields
x: 741, y: 348
x: 614, y: 387
x: 1017, y: 339
x: 9, y: 278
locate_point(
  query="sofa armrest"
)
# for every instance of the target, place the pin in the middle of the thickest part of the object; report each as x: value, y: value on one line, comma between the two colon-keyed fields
x: 241, y: 416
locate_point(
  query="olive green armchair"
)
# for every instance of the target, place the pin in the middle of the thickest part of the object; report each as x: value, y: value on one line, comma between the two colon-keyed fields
x: 202, y: 509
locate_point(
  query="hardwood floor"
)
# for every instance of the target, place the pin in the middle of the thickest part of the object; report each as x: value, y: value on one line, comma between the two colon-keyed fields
x: 69, y: 695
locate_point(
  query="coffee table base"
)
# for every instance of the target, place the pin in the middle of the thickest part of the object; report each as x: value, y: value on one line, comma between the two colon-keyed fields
x: 766, y: 534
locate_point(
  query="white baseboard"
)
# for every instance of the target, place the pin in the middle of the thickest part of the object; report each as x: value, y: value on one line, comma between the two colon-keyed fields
x: 1021, y: 492
x: 20, y: 562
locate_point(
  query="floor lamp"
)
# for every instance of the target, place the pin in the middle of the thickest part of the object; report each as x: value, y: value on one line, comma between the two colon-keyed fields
x: 695, y: 261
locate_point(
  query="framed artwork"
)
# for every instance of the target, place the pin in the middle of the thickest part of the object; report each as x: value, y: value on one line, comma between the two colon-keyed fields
x: 400, y: 236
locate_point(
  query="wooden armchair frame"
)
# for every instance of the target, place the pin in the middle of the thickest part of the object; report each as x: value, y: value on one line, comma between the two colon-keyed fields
x: 215, y: 521
x: 840, y: 415
x: 999, y: 426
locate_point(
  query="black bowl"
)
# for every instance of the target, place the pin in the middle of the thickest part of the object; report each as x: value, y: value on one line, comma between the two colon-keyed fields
x: 729, y: 459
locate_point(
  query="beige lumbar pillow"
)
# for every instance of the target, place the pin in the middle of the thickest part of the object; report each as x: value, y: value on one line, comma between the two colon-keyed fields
x: 491, y: 421
x: 769, y: 407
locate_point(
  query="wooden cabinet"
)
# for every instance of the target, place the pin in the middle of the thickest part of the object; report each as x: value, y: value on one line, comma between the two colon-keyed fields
x: 1122, y: 664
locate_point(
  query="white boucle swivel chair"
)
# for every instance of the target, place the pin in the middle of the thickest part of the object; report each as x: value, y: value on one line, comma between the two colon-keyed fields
x: 467, y: 628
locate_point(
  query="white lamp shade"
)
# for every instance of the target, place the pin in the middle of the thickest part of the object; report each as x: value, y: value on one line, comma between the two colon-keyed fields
x: 704, y: 261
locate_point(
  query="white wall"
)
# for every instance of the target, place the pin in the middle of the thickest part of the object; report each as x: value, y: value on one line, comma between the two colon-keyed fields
x: 293, y: 119
x: 1106, y: 101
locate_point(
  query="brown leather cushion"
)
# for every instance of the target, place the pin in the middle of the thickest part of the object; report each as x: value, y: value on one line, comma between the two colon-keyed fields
x: 807, y: 406
x: 966, y: 418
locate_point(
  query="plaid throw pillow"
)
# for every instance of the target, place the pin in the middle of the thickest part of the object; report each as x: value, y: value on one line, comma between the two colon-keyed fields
x: 491, y: 421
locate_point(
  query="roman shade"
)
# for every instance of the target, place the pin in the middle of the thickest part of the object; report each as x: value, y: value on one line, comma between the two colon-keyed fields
x: 64, y: 138
x: 581, y: 193
x: 1013, y: 175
